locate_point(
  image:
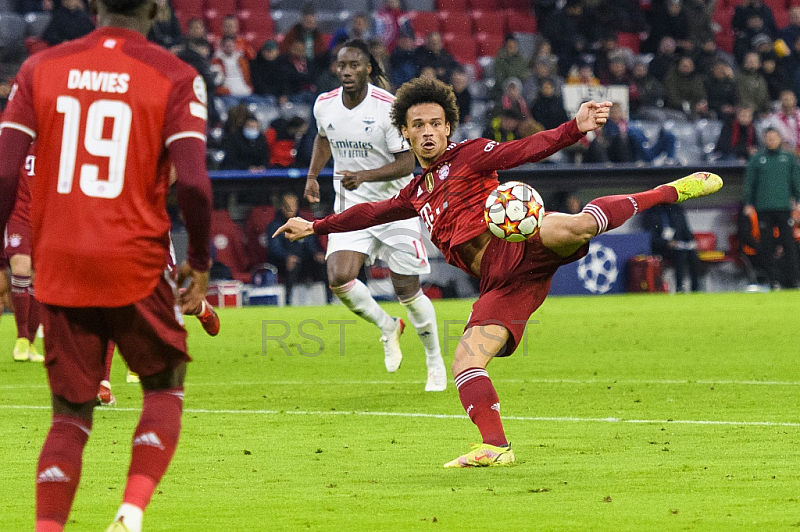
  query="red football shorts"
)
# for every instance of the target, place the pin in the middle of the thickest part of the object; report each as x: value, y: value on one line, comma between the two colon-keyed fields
x: 17, y: 238
x: 515, y: 279
x: 147, y: 333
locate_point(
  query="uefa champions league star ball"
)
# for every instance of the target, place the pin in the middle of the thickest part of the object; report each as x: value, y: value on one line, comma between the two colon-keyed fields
x: 514, y: 211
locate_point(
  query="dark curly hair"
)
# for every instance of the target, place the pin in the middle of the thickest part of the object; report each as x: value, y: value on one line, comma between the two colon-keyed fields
x: 123, y: 7
x: 424, y: 90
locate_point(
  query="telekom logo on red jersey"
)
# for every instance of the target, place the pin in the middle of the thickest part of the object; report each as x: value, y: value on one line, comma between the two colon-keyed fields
x: 91, y: 80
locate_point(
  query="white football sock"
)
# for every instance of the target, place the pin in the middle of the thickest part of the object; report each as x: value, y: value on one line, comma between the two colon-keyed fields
x: 422, y: 316
x: 131, y: 516
x: 355, y: 296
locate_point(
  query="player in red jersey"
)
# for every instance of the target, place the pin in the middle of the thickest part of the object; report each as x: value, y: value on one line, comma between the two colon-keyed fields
x: 17, y: 240
x: 108, y: 111
x: 449, y: 196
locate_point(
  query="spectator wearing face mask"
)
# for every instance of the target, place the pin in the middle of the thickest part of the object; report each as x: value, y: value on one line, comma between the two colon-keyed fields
x: 246, y: 148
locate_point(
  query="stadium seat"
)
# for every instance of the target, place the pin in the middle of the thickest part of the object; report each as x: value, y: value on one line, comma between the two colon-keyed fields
x: 253, y: 5
x: 452, y: 5
x: 256, y: 26
x: 228, y: 243
x: 255, y: 231
x: 520, y: 22
x: 37, y: 23
x: 482, y: 5
x: 185, y: 16
x: 186, y: 5
x: 463, y: 52
x: 709, y: 131
x: 459, y: 24
x: 488, y: 43
x: 213, y: 20
x: 629, y: 40
x: 517, y: 5
x: 492, y: 22
x: 776, y: 5
x: 781, y: 18
x: 227, y: 7
x: 423, y: 22
x: 420, y: 5
x: 707, y: 248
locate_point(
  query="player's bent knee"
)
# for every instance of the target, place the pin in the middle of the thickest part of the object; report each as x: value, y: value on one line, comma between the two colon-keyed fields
x: 62, y: 407
x: 21, y: 265
x: 168, y: 379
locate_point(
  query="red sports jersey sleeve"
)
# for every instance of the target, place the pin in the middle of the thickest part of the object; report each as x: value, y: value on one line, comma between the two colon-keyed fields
x: 364, y: 215
x: 103, y: 110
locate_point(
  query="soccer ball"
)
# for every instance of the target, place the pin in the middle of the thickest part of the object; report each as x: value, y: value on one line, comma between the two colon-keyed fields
x: 514, y: 211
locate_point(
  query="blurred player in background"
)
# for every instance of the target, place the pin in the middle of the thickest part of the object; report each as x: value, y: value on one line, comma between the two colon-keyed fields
x: 514, y: 276
x: 108, y: 112
x: 17, y: 241
x: 372, y: 163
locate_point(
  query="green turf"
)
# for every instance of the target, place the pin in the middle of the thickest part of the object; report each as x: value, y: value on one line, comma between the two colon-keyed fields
x: 611, y: 412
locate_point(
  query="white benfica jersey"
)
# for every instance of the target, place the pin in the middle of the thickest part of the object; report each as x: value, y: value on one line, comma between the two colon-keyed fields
x: 362, y: 138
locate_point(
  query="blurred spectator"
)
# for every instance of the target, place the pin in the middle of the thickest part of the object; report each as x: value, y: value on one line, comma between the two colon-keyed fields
x: 402, y: 61
x: 753, y: 16
x: 544, y: 68
x: 774, y: 76
x: 751, y: 85
x: 685, y: 89
x: 509, y: 63
x: 560, y: 27
x: 771, y: 186
x: 234, y: 67
x: 69, y: 21
x: 296, y: 261
x: 433, y: 54
x: 504, y: 127
x: 196, y: 29
x: 268, y: 73
x: 299, y: 74
x: 460, y: 83
x: 328, y: 79
x: 512, y: 98
x: 708, y: 55
x: 791, y: 32
x: 358, y: 28
x: 672, y: 238
x: 282, y: 138
x: 166, y: 30
x: 738, y: 140
x: 582, y: 74
x: 646, y: 91
x: 668, y: 20
x: 197, y: 52
x: 698, y: 15
x: 379, y: 53
x: 306, y: 33
x: 548, y: 108
x: 721, y: 90
x: 787, y: 121
x: 230, y: 28
x: 569, y: 58
x: 617, y: 71
x: 749, y: 236
x: 34, y: 6
x: 664, y: 59
x: 246, y: 148
x: 607, y: 49
x: 387, y: 23
x: 622, y: 15
x: 749, y: 38
x: 428, y: 72
x: 566, y: 202
x: 621, y: 142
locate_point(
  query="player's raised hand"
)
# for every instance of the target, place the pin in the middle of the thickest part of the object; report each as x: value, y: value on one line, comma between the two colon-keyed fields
x: 191, y: 299
x: 351, y: 180
x: 295, y: 229
x: 311, y: 192
x: 592, y: 115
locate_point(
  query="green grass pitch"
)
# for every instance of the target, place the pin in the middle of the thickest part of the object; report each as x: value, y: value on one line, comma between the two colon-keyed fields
x: 626, y: 413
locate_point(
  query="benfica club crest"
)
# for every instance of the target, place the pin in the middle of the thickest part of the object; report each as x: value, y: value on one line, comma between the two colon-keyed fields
x: 429, y: 182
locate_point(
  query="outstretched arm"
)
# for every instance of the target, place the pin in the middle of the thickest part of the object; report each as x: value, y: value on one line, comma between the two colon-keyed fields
x: 402, y: 165
x: 319, y: 157
x: 357, y: 217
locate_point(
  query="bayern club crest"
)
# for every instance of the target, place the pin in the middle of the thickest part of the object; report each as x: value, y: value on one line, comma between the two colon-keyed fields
x: 444, y: 171
x: 14, y: 240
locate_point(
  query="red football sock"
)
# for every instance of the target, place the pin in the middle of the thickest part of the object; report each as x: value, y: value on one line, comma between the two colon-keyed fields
x: 33, y: 315
x: 611, y: 212
x: 479, y: 399
x: 59, y: 470
x: 21, y: 300
x: 109, y: 358
x: 154, y: 444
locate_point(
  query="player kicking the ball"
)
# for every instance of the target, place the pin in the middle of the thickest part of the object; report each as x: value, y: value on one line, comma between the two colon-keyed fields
x: 514, y: 276
x: 374, y: 163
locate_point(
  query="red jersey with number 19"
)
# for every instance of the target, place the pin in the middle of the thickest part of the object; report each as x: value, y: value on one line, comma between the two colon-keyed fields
x: 103, y: 110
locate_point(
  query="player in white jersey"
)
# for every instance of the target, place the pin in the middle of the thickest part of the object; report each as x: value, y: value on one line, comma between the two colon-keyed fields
x: 372, y: 162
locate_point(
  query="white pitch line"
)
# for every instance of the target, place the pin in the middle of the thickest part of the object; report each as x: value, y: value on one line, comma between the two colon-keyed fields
x: 447, y: 416
x: 328, y: 382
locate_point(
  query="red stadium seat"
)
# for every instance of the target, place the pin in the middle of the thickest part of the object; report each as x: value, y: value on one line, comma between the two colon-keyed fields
x: 488, y: 43
x: 253, y: 5
x: 452, y: 5
x: 725, y: 40
x: 489, y: 22
x: 186, y: 5
x: 776, y: 5
x: 482, y: 5
x: 256, y: 26
x: 255, y: 230
x: 517, y: 5
x: 423, y: 22
x: 227, y: 7
x: 781, y: 18
x: 185, y: 16
x: 723, y: 16
x: 520, y: 22
x: 629, y: 40
x: 228, y: 243
x: 214, y: 22
x: 454, y: 22
x: 463, y: 51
